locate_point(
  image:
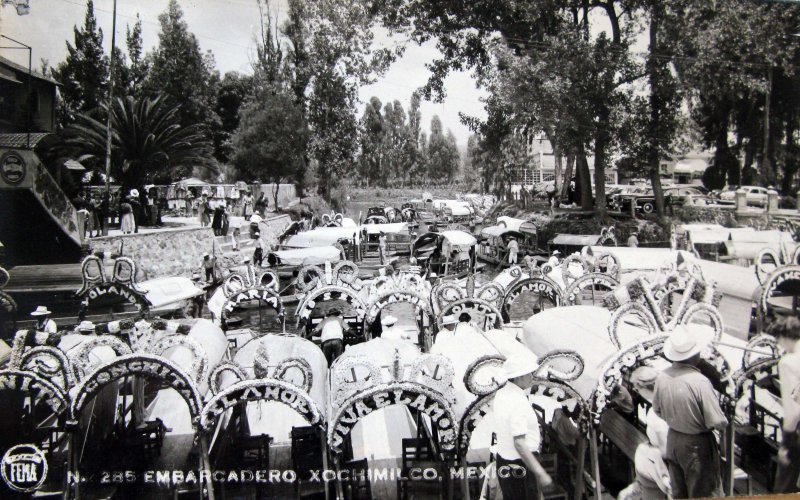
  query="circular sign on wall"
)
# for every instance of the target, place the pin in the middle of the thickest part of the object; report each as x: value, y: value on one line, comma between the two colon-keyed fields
x: 12, y: 167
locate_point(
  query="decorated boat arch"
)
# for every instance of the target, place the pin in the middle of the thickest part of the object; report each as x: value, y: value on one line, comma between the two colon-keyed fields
x: 8, y: 306
x: 283, y: 369
x: 482, y: 302
x: 97, y: 288
x: 383, y: 373
x: 249, y: 289
x: 545, y: 292
x: 391, y: 291
x: 335, y: 283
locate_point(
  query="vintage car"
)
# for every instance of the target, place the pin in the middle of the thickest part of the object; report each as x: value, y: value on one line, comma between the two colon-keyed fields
x: 645, y: 202
x: 755, y: 195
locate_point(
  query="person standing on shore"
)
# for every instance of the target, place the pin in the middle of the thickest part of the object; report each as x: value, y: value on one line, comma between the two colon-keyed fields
x: 513, y: 250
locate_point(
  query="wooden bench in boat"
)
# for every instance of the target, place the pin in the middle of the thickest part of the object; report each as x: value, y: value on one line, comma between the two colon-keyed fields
x: 623, y: 434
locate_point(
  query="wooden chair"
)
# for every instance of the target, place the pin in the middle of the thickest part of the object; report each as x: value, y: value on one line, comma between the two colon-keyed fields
x: 417, y: 453
x: 359, y: 487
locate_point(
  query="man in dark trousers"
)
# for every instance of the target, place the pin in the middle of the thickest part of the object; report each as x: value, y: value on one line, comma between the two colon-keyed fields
x: 686, y: 400
x: 331, y: 330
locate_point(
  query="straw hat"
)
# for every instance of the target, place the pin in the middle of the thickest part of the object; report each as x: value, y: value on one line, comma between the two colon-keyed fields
x: 86, y: 326
x: 388, y: 320
x: 682, y: 344
x: 41, y: 311
x: 643, y: 380
x: 449, y: 320
x: 135, y: 193
x: 519, y: 363
x: 556, y: 252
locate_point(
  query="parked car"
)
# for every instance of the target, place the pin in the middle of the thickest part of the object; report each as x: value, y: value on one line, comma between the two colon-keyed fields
x: 756, y: 195
x: 674, y: 196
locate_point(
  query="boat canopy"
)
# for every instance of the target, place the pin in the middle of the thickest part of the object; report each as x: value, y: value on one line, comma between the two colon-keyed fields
x: 320, y: 237
x: 393, y: 228
x: 520, y: 225
x: 162, y: 292
x: 308, y: 256
x: 576, y: 239
x: 459, y: 238
x: 642, y: 259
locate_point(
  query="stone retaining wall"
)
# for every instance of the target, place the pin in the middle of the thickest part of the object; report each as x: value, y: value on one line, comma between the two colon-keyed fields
x: 180, y: 252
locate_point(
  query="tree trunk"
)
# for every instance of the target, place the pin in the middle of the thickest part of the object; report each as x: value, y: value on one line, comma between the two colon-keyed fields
x: 557, y: 182
x: 275, y: 192
x: 790, y: 159
x: 656, y: 104
x: 600, y: 159
x: 767, y: 171
x: 568, y: 175
x: 584, y: 180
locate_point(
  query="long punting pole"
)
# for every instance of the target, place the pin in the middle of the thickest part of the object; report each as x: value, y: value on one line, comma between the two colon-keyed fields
x: 730, y: 437
x: 206, y: 465
x: 595, y: 463
x: 579, y: 481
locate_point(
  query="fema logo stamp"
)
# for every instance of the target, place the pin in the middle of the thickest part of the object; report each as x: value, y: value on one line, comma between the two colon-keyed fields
x: 12, y: 167
x: 24, y: 468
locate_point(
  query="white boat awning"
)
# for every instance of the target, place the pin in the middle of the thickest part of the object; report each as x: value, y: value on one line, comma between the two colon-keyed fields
x: 394, y: 228
x: 459, y: 238
x: 308, y: 256
x: 162, y: 292
x: 320, y: 237
x: 576, y: 239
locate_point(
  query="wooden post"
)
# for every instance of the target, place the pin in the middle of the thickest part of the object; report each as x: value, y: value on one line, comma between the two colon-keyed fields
x: 205, y: 464
x: 464, y: 478
x: 595, y: 463
x: 325, y: 460
x: 730, y: 436
x: 579, y: 481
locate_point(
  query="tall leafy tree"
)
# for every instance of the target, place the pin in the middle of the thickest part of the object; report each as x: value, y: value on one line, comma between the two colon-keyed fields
x: 334, y: 138
x: 139, y: 65
x: 269, y: 143
x: 148, y: 142
x: 235, y: 90
x: 83, y: 74
x: 370, y: 160
x: 443, y: 157
x: 182, y: 72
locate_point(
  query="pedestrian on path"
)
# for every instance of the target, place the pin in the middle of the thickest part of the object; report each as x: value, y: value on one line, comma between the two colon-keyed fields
x: 382, y: 247
x: 633, y: 239
x: 687, y: 401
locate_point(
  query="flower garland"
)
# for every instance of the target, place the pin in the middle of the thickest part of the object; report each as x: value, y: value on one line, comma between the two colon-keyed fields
x: 224, y: 366
x: 199, y: 366
x: 36, y: 360
x: 563, y: 394
x: 553, y: 358
x: 425, y: 368
x: 261, y: 362
x: 615, y: 370
x: 593, y: 279
x: 476, y: 410
x: 342, y: 369
x: 282, y: 371
x: 80, y: 357
x: 471, y: 375
x: 622, y: 311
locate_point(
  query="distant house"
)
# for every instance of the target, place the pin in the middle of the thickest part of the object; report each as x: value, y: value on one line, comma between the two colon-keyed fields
x: 13, y: 93
x: 542, y: 163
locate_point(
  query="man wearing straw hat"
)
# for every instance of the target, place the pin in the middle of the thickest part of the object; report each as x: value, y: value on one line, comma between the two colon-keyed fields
x: 513, y: 250
x: 517, y: 430
x: 43, y: 321
x: 687, y: 401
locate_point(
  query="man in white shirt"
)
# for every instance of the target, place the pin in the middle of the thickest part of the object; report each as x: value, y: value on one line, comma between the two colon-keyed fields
x: 43, y: 322
x: 332, y: 335
x: 554, y: 259
x: 391, y: 330
x: 518, y: 431
x: 449, y: 323
x: 513, y: 250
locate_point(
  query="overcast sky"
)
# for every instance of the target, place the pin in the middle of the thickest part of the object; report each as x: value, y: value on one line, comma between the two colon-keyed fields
x: 226, y: 28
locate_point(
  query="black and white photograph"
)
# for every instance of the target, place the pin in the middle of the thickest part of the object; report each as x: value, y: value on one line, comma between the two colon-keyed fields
x: 399, y: 249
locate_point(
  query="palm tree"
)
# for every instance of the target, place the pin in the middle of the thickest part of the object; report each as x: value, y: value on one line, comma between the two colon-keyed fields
x: 147, y: 141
